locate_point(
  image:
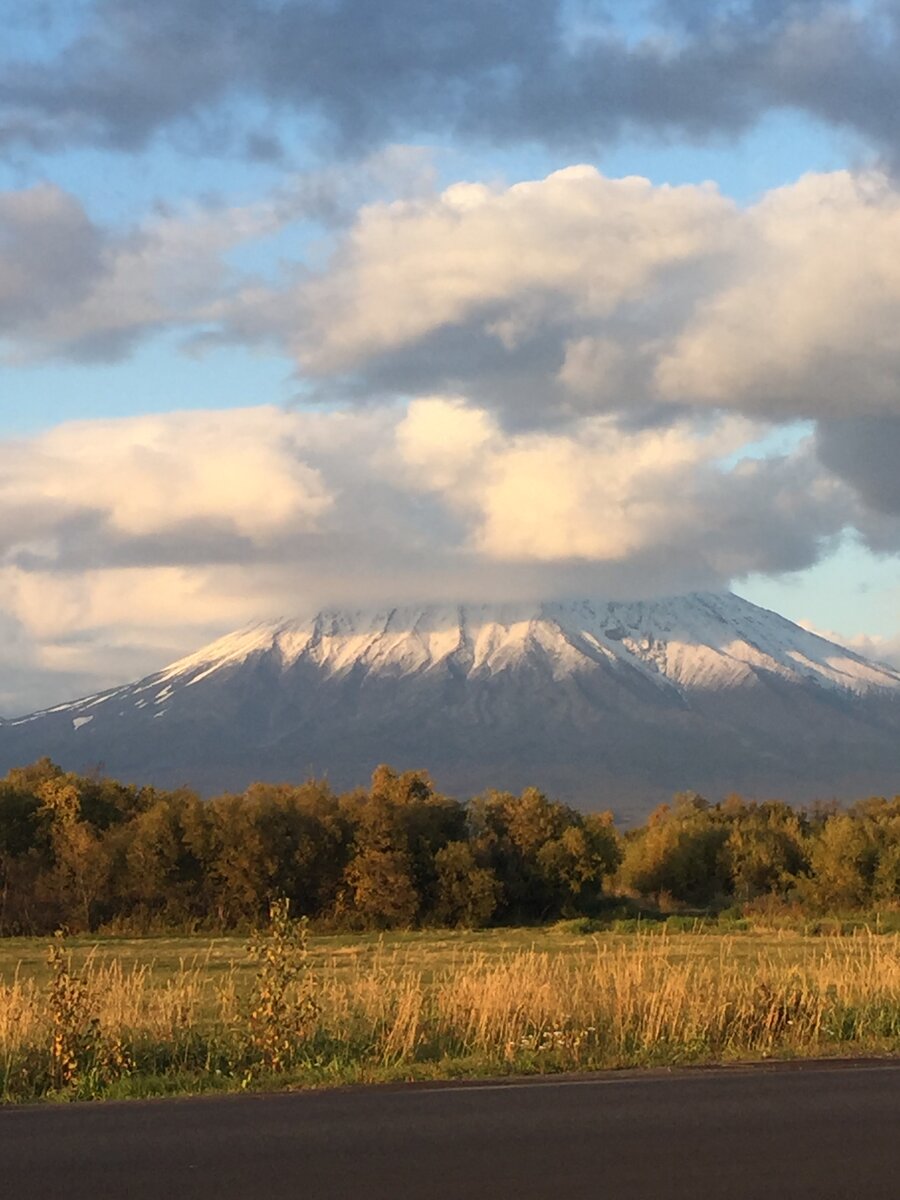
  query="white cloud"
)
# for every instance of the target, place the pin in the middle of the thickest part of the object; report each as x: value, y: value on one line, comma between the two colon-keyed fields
x: 598, y: 493
x: 151, y: 474
x: 580, y: 293
x: 123, y: 540
x: 874, y: 646
x: 574, y: 246
x: 806, y: 323
x: 547, y: 299
x: 237, y: 474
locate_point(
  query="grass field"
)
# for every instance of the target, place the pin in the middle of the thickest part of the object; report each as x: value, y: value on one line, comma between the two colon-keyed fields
x: 428, y: 953
x: 146, y: 1016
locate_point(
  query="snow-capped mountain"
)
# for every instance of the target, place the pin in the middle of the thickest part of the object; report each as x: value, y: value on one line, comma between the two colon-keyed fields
x: 611, y: 704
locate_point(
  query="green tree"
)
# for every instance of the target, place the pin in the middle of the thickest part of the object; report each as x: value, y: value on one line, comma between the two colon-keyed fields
x: 680, y: 853
x: 467, y: 894
x: 765, y: 848
x: 843, y: 857
x: 166, y: 861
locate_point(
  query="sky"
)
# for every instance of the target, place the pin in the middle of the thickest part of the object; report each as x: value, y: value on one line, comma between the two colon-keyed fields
x: 312, y: 303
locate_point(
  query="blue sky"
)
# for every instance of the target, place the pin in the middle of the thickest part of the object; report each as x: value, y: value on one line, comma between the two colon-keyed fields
x: 312, y: 211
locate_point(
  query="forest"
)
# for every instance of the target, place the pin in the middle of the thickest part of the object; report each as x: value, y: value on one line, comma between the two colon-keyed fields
x: 87, y: 853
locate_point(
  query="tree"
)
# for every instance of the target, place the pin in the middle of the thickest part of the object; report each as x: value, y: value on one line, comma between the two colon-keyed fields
x: 679, y: 853
x: 467, y: 894
x: 765, y: 848
x: 548, y: 858
x: 843, y: 858
x: 81, y: 866
x: 575, y: 864
x: 382, y: 890
x: 167, y: 861
x: 25, y: 855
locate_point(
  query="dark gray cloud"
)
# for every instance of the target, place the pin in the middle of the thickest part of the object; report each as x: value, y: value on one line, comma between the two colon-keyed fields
x: 505, y: 70
x: 50, y: 254
x: 62, y: 286
x: 865, y: 451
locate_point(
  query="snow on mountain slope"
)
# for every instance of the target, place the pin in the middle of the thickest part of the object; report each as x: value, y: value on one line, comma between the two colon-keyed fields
x: 697, y: 642
x: 703, y: 641
x: 710, y: 641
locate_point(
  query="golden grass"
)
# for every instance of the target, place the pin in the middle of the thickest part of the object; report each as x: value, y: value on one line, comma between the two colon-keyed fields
x: 617, y: 1002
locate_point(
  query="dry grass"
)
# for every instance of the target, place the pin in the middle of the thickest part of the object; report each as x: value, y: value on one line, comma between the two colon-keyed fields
x: 389, y: 1013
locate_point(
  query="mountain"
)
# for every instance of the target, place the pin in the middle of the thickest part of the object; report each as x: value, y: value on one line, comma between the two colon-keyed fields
x: 605, y: 704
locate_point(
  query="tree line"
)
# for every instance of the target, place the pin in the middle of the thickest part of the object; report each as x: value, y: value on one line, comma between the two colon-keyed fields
x: 89, y: 853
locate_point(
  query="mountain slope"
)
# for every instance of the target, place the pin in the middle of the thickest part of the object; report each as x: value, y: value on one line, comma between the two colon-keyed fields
x: 605, y: 703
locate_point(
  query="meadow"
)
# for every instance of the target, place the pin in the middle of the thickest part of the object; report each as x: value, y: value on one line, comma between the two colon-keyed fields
x: 118, y: 1017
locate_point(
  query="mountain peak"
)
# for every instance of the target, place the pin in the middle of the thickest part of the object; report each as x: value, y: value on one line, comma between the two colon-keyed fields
x: 702, y: 640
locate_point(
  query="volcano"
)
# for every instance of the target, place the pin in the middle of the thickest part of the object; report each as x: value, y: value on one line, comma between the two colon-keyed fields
x: 603, y: 704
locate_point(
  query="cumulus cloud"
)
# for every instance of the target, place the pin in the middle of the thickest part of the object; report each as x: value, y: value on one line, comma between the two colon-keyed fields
x: 507, y: 71
x: 578, y: 293
x: 806, y: 321
x: 512, y: 255
x: 550, y: 293
x: 139, y: 486
x: 155, y: 532
x: 598, y: 493
x: 598, y: 329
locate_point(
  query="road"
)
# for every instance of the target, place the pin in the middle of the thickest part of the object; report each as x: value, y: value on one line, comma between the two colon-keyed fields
x: 816, y: 1132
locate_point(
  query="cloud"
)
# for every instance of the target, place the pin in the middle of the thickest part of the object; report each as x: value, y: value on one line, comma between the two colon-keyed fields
x: 100, y: 487
x: 865, y: 452
x: 51, y: 254
x: 72, y: 289
x: 123, y: 541
x: 607, y: 495
x: 547, y: 300
x: 511, y: 255
x: 877, y: 648
x: 578, y: 293
x: 805, y: 323
x: 506, y: 71
x: 602, y: 315
x: 548, y: 294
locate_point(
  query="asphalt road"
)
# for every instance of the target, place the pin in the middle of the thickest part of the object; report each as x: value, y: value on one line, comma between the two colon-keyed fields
x: 819, y: 1132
